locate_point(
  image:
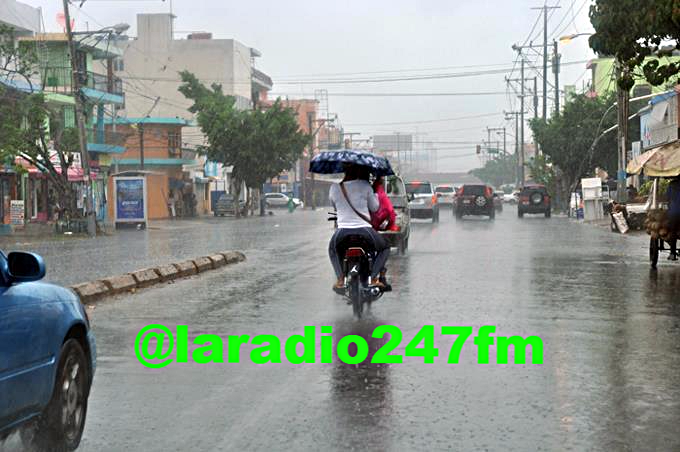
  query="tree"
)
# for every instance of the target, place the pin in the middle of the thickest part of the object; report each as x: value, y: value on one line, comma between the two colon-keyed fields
x: 499, y: 171
x: 29, y: 127
x: 633, y: 30
x: 257, y: 144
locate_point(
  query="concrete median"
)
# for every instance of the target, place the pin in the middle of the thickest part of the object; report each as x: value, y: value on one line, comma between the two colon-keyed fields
x: 96, y: 290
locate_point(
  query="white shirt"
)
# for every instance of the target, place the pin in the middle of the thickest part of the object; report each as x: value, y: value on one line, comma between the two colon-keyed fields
x: 363, y: 199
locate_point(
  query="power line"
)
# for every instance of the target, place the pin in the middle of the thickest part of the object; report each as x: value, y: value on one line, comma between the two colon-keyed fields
x: 428, y: 121
x: 431, y: 94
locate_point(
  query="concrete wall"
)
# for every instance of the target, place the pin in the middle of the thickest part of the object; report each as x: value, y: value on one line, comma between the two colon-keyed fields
x: 153, y: 60
x: 24, y: 18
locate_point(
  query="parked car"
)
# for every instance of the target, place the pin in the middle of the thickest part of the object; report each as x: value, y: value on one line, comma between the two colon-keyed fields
x: 280, y: 200
x: 423, y: 201
x: 534, y: 199
x: 445, y: 194
x: 498, y: 201
x: 226, y: 206
x: 474, y: 200
x: 396, y: 191
x: 47, y: 357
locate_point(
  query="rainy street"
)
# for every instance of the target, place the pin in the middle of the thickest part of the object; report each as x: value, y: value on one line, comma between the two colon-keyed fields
x: 610, y: 327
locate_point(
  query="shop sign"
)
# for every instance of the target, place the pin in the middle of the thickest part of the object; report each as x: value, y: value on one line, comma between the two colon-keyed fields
x: 16, y: 212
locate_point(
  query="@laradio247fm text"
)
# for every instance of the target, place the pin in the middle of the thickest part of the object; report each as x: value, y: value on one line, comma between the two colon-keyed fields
x: 157, y: 346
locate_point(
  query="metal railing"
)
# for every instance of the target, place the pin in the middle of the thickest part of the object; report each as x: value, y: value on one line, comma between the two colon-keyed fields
x: 58, y: 80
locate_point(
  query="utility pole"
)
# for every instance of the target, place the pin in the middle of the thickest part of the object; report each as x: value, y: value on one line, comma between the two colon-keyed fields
x: 521, y: 126
x: 545, y: 9
x: 141, y: 146
x: 536, y: 98
x: 556, y: 70
x: 516, y: 117
x: 82, y: 137
x: 623, y: 107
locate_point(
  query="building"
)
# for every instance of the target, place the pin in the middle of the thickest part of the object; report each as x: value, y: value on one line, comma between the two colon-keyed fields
x: 150, y: 67
x: 102, y: 93
x: 163, y: 163
x: 604, y: 78
x: 24, y: 19
x: 290, y: 182
x: 659, y: 121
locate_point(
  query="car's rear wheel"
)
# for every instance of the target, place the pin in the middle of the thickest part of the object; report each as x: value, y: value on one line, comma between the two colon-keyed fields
x: 60, y: 426
x: 403, y: 245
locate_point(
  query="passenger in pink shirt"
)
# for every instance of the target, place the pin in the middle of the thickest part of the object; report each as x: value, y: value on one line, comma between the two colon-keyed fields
x: 385, y: 212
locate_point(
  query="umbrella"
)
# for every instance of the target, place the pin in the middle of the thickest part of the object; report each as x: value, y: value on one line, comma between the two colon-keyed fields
x: 331, y: 162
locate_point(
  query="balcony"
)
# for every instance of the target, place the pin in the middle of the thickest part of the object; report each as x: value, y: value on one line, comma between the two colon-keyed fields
x: 97, y: 87
x: 106, y: 141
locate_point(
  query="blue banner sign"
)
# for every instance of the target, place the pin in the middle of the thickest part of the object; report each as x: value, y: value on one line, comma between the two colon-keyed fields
x: 130, y: 199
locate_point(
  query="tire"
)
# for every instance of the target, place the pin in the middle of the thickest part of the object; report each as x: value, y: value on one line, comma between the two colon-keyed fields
x: 355, y: 296
x: 403, y: 245
x: 50, y: 431
x: 653, y: 252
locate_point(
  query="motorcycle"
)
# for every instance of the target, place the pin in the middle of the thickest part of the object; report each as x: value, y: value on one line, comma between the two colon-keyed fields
x: 357, y: 264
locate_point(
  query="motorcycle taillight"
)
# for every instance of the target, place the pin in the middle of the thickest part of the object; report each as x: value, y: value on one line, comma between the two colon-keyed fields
x: 354, y: 252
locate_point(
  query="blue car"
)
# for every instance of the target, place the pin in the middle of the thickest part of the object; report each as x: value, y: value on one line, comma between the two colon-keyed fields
x: 47, y: 357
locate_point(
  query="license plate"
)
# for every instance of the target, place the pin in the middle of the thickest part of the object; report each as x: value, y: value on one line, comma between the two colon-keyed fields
x: 525, y: 203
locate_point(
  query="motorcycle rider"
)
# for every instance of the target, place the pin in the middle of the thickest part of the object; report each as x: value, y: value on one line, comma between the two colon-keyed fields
x: 354, y: 200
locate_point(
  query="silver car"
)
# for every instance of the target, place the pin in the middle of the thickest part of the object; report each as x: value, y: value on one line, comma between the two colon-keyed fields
x: 280, y: 200
x: 423, y: 200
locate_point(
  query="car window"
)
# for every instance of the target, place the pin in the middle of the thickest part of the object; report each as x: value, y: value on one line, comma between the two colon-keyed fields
x: 444, y: 189
x: 473, y: 190
x: 394, y: 186
x: 417, y: 188
x: 528, y: 190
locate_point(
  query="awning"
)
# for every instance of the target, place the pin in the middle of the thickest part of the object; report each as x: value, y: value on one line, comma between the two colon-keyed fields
x: 662, y: 161
x: 74, y: 174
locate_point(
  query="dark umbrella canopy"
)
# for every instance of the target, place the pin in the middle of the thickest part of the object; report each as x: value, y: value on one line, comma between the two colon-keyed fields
x: 332, y: 162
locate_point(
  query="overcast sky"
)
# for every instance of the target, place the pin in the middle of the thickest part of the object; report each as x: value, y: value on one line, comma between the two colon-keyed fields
x: 302, y: 39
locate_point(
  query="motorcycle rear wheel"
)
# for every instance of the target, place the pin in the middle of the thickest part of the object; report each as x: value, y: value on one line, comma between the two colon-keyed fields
x: 355, y: 296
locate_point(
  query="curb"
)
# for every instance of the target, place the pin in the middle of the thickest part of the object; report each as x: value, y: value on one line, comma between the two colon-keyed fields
x: 96, y: 290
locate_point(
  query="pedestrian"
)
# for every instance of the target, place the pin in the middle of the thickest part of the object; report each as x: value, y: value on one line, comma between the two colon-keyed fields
x: 384, y: 219
x: 673, y: 195
x: 171, y: 204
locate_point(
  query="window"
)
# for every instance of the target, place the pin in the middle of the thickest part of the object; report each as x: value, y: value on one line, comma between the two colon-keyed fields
x: 174, y: 143
x: 118, y: 64
x: 418, y: 188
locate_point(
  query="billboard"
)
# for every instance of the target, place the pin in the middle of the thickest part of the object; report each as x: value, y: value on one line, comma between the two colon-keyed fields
x: 130, y: 199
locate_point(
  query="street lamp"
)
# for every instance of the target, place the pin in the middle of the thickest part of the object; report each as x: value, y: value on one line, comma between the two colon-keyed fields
x: 566, y: 39
x: 117, y: 29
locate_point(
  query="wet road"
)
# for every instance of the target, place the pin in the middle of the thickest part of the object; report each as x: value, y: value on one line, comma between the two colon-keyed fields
x: 611, y: 331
